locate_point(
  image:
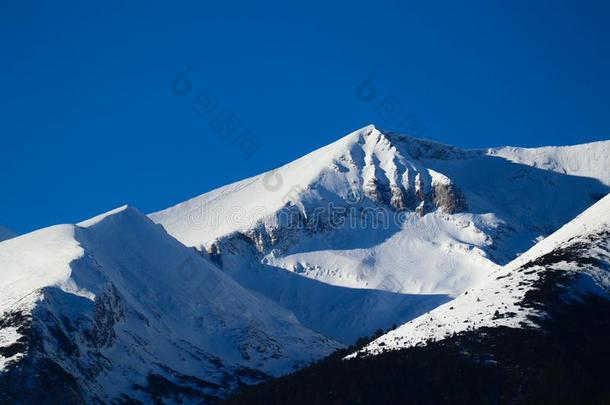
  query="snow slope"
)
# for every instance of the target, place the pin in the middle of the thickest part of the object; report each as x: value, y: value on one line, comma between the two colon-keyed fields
x: 120, y: 308
x: 382, y: 211
x: 587, y: 160
x: 345, y: 314
x: 581, y: 248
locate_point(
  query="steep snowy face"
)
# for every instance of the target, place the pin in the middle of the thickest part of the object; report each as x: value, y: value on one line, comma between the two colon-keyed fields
x: 6, y: 233
x: 380, y: 211
x: 114, y: 308
x: 574, y: 260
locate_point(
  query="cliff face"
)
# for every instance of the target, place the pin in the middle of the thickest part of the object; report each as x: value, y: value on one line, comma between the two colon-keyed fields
x: 449, y: 198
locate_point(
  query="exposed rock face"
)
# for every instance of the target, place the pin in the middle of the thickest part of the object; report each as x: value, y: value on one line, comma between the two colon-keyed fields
x: 449, y: 198
x: 259, y: 237
x: 423, y: 208
x: 420, y: 188
x: 108, y: 311
x: 374, y: 191
x: 421, y: 192
x: 287, y: 225
x: 399, y: 198
x: 54, y: 346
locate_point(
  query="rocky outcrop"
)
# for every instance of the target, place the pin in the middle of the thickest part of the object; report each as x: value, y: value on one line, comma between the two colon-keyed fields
x: 398, y: 200
x: 448, y: 198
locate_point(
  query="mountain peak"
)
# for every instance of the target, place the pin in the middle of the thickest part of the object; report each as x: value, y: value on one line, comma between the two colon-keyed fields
x: 368, y: 129
x: 124, y: 212
x: 379, y: 169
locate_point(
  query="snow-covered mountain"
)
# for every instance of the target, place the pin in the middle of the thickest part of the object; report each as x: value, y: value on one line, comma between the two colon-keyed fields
x: 536, y: 331
x: 379, y: 211
x: 6, y: 233
x: 265, y: 275
x: 579, y: 252
x: 115, y: 309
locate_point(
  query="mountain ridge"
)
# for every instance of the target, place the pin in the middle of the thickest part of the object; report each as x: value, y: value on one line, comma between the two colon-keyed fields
x: 123, y: 307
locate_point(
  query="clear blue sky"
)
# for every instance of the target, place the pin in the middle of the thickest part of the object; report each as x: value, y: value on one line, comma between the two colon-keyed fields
x: 89, y: 121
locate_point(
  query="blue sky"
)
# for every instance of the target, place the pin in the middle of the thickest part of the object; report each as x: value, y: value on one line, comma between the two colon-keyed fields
x: 89, y: 120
